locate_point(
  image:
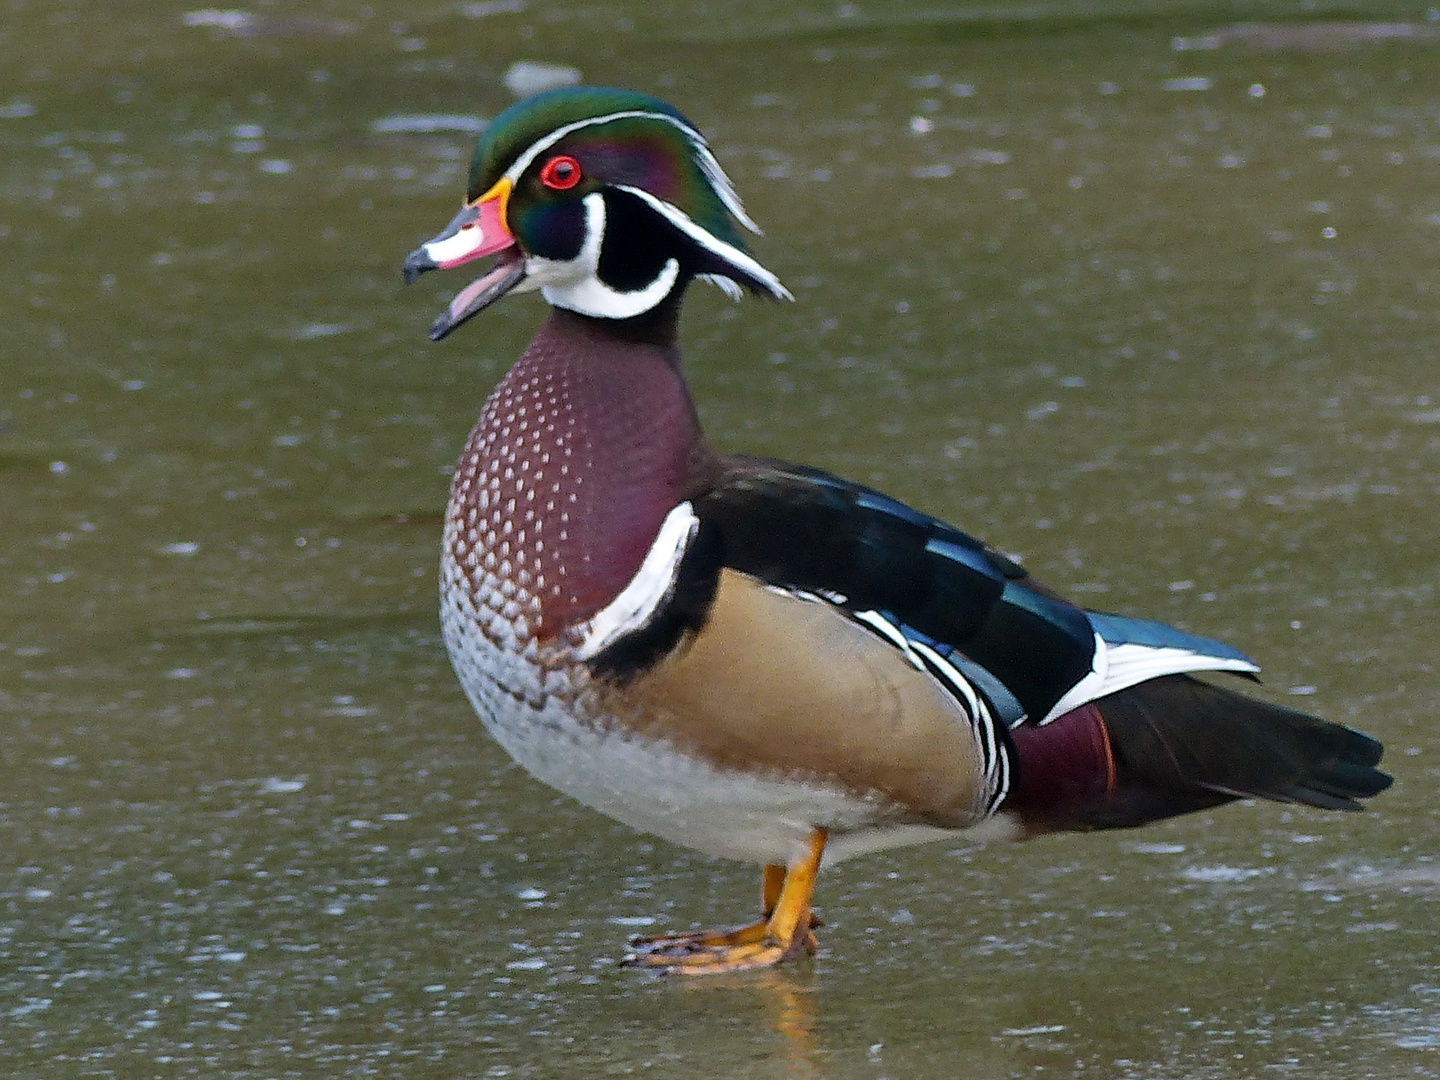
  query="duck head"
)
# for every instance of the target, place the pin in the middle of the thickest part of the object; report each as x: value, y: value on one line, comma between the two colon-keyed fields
x: 608, y: 201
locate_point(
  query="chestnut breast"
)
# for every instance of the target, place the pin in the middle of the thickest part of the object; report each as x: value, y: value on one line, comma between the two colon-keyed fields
x: 580, y: 452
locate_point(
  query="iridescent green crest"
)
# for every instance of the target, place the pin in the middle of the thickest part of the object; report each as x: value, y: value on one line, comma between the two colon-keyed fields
x: 626, y: 138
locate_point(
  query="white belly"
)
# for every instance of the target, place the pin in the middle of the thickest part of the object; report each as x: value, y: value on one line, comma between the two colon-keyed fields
x: 643, y: 782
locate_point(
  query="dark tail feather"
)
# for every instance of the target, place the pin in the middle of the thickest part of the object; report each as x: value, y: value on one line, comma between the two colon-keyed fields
x: 1176, y: 744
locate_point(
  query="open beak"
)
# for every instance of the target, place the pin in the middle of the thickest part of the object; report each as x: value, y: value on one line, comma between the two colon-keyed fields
x: 478, y: 230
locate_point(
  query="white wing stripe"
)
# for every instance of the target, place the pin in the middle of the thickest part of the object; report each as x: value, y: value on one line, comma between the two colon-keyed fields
x: 994, y: 760
x: 890, y: 632
x: 1127, y: 664
x: 994, y: 756
x: 961, y: 685
x: 648, y: 589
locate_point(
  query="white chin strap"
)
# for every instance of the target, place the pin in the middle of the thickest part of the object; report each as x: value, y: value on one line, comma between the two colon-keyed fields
x: 574, y: 284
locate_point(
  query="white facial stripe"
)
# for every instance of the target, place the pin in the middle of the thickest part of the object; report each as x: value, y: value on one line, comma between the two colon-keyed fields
x: 649, y: 588
x: 712, y: 243
x: 708, y: 163
x: 575, y: 283
x: 721, y: 183
x: 724, y: 284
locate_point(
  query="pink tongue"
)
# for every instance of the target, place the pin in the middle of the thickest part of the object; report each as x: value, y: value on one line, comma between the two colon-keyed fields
x: 476, y: 290
x: 509, y: 271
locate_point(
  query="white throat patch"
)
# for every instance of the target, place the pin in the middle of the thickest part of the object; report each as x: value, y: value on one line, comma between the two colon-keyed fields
x: 574, y: 284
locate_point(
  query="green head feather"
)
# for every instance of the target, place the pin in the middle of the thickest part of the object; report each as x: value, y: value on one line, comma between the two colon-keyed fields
x: 624, y: 137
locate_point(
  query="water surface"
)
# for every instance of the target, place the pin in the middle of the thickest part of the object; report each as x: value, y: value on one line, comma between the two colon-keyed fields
x: 1162, y: 321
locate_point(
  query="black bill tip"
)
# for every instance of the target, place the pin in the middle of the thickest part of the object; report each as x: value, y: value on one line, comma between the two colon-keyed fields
x: 416, y: 263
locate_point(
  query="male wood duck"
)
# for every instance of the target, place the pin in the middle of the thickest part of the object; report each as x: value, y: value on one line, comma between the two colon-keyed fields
x: 759, y: 660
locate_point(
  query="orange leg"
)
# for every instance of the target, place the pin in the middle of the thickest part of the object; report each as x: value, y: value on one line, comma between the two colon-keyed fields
x: 786, y: 893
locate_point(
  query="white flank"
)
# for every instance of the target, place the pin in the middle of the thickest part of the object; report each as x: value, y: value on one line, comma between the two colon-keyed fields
x: 729, y: 252
x: 648, y: 589
x: 708, y: 165
x: 1116, y: 667
x: 574, y: 284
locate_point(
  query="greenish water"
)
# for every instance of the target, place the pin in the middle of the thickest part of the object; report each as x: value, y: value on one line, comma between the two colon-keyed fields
x: 1162, y: 321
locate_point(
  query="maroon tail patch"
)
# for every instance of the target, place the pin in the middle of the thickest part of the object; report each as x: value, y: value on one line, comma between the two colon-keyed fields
x: 1065, y: 767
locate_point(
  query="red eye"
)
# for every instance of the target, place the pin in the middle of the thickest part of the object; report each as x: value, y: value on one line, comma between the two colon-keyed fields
x: 560, y: 173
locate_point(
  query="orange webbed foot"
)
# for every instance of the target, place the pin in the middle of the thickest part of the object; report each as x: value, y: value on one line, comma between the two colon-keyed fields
x: 787, y: 929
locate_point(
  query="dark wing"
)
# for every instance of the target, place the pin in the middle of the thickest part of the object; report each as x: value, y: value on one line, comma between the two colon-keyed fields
x: 944, y: 591
x: 804, y: 529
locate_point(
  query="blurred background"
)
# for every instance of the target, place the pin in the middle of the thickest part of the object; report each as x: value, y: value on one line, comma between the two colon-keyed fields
x: 1143, y: 292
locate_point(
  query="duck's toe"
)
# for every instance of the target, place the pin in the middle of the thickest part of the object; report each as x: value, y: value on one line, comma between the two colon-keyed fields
x: 720, y: 953
x: 787, y: 928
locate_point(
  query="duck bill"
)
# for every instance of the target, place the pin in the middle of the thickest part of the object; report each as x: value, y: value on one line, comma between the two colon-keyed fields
x: 508, y: 271
x: 479, y: 229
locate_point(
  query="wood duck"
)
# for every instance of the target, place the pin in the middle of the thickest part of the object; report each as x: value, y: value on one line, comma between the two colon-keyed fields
x: 760, y: 660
